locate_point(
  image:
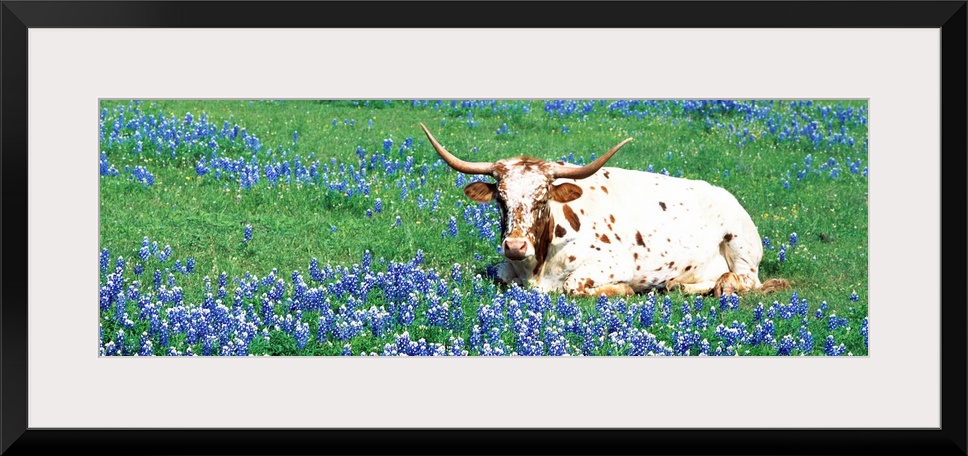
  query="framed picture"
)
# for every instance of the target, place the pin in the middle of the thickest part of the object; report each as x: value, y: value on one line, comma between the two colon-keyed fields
x: 65, y: 63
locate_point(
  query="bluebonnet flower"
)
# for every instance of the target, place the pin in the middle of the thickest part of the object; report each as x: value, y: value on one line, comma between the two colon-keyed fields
x: 332, y: 228
x: 347, y: 350
x: 865, y: 330
x: 455, y: 273
x: 163, y: 256
x: 766, y: 243
x: 295, y: 137
x: 106, y: 168
x: 782, y: 255
x: 200, y: 168
x: 697, y: 305
x: 314, y: 271
x: 666, y: 310
x: 785, y: 347
x: 452, y: 227
x: 369, y: 213
x: 104, y: 259
x: 247, y: 235
x: 806, y: 341
x: 190, y: 265
x: 139, y: 269
x: 831, y: 348
x: 142, y: 175
x: 854, y: 297
x: 793, y: 239
x: 301, y: 335
x: 378, y: 205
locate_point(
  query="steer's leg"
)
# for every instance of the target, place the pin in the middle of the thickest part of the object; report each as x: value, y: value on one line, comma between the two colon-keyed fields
x: 702, y: 278
x: 743, y: 251
x: 730, y: 283
x: 702, y: 287
x: 599, y: 277
x: 507, y: 275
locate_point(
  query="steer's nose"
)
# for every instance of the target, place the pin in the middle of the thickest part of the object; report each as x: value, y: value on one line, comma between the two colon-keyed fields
x: 515, y: 248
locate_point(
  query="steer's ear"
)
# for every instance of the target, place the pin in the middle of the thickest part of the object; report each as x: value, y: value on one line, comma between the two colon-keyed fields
x: 565, y: 192
x: 482, y: 192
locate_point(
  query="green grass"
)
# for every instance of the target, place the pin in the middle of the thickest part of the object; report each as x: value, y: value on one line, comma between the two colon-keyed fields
x: 204, y: 218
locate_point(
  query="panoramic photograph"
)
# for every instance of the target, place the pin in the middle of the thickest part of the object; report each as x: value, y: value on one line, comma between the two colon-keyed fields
x: 483, y: 227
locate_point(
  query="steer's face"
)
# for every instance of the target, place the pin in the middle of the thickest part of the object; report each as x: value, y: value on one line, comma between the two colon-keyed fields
x: 523, y: 189
x: 522, y: 192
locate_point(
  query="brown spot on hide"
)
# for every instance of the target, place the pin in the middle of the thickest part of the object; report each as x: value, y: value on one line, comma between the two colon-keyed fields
x: 611, y: 217
x: 638, y: 268
x: 604, y: 239
x: 560, y: 231
x: 571, y: 217
x: 668, y: 240
x: 728, y: 237
x: 662, y: 205
x: 671, y: 263
x: 592, y: 187
x: 658, y: 268
x: 605, y: 173
x: 617, y: 237
x: 688, y: 267
x: 611, y: 276
x: 604, y: 189
x: 571, y: 258
x: 638, y: 239
x: 566, y: 192
x: 635, y: 255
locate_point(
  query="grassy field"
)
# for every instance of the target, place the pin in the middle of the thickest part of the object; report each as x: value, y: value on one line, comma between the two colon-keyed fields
x: 297, y: 227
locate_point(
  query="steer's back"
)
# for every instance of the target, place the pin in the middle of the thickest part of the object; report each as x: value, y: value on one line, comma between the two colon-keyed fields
x: 653, y: 228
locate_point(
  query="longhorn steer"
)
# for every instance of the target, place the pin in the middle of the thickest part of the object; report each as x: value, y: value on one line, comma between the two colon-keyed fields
x: 591, y: 230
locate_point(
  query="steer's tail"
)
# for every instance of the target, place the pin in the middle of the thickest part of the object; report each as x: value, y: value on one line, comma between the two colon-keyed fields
x: 774, y: 285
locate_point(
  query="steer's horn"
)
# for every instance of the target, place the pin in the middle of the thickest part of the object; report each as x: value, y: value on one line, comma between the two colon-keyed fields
x: 456, y: 163
x: 589, y: 169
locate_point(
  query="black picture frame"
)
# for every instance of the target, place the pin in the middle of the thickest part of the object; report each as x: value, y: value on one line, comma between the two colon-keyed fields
x: 17, y: 17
